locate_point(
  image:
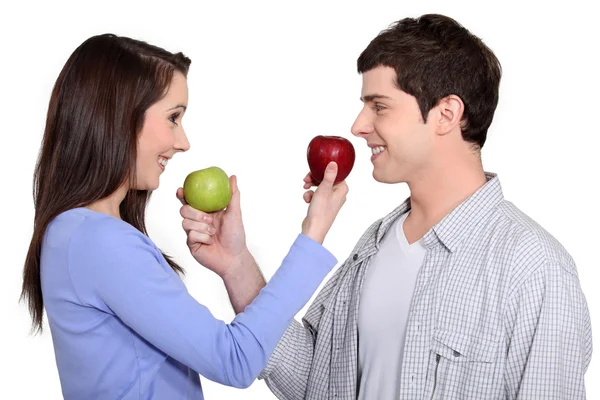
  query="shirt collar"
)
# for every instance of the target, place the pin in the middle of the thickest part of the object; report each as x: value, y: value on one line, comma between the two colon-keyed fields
x: 453, y: 228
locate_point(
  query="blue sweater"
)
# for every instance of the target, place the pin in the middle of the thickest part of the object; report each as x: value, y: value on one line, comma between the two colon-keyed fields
x: 124, y: 326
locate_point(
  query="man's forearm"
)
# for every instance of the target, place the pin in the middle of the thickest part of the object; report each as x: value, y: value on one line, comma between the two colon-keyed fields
x: 244, y: 282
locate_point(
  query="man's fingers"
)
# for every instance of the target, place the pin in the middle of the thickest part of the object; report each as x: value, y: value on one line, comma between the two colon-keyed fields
x: 309, y: 181
x: 308, y: 196
x: 341, y: 188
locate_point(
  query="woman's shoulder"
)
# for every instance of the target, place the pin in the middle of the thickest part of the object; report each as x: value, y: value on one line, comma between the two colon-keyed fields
x: 82, y: 225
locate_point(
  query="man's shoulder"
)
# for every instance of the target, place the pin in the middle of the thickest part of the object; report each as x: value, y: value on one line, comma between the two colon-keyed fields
x: 532, y: 245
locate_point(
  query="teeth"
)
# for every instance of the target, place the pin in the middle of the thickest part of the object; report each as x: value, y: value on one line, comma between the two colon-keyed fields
x: 378, y: 149
x: 163, y: 161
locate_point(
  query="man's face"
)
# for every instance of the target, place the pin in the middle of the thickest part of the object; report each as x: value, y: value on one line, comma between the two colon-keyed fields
x: 391, y: 123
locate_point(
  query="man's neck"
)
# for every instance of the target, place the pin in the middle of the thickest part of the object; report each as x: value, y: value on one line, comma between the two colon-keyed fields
x: 437, y: 192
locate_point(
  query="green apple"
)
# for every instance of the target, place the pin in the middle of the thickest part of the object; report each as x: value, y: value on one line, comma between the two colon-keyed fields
x: 207, y: 189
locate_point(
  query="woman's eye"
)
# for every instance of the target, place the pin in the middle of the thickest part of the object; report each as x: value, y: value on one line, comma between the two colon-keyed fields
x: 173, y: 117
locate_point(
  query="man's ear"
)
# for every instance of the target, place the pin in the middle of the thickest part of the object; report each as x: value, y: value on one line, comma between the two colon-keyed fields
x: 449, y: 114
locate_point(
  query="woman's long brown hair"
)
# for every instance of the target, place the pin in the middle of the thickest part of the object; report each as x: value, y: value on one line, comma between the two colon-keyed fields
x: 89, y: 148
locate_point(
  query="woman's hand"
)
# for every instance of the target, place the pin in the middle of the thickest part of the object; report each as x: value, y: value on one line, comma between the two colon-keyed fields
x: 216, y: 240
x: 325, y: 203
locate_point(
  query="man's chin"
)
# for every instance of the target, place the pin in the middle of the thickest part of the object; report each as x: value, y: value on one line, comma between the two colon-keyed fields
x: 384, y: 178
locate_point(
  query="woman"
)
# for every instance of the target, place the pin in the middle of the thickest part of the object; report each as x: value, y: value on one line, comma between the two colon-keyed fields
x: 122, y: 323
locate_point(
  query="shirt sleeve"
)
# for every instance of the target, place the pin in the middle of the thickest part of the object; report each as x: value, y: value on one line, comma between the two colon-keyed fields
x: 304, y: 350
x: 550, y: 343
x: 289, y: 367
x: 121, y: 270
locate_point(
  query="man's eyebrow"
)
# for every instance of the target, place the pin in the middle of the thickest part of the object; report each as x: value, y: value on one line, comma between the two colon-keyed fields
x: 370, y: 97
x: 178, y: 106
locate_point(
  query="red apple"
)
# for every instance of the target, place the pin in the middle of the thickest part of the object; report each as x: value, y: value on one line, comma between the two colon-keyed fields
x: 324, y: 149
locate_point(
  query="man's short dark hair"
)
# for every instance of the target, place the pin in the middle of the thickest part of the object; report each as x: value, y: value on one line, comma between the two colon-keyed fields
x: 434, y: 56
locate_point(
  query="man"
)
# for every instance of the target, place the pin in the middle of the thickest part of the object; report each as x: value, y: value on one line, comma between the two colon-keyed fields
x: 456, y: 294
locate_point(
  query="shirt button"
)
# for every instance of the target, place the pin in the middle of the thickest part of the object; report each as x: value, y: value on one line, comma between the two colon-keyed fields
x: 355, y: 257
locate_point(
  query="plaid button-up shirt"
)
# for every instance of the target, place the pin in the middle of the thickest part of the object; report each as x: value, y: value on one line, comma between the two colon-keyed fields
x: 497, y: 313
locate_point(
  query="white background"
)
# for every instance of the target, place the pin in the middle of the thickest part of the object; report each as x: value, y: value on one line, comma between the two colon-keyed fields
x: 266, y: 78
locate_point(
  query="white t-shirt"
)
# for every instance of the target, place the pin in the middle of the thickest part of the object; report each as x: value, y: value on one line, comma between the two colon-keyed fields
x: 383, y: 313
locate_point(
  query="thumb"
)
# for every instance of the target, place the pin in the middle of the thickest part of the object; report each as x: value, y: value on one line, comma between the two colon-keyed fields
x: 330, y: 174
x: 180, y: 196
x: 234, y: 204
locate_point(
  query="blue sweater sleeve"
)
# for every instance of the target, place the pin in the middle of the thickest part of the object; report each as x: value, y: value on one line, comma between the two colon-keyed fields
x: 114, y: 266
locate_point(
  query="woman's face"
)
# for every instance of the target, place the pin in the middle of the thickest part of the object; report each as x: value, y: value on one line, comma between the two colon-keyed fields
x: 162, y: 134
